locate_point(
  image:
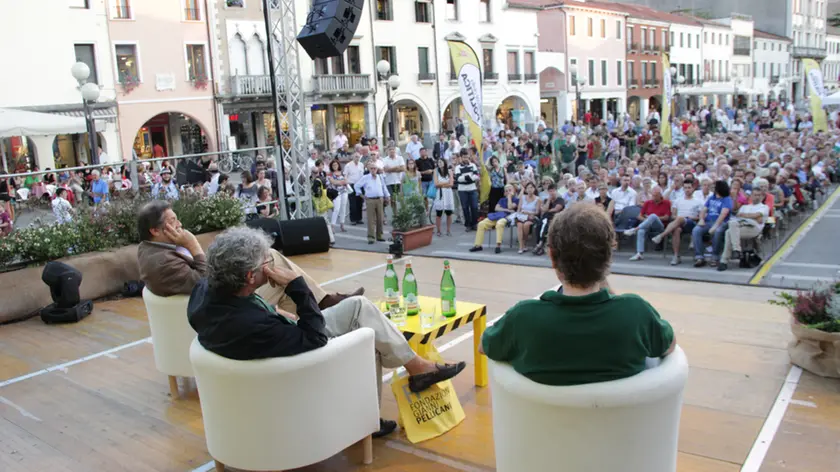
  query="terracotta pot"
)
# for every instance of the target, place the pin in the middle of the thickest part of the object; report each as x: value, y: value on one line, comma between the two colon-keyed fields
x: 416, y: 238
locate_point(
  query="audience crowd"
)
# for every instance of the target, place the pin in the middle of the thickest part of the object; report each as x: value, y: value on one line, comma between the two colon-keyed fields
x: 750, y: 166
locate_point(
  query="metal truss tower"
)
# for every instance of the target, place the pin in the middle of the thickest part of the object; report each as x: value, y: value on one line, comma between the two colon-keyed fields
x: 289, y: 108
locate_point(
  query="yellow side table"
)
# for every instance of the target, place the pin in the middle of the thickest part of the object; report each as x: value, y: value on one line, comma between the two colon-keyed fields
x: 421, y: 338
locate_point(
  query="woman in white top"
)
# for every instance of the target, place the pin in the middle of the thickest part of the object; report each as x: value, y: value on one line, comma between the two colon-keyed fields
x: 445, y: 198
x: 527, y: 214
x: 261, y: 180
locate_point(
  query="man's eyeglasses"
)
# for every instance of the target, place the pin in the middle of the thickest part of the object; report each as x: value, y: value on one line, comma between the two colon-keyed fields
x: 270, y: 260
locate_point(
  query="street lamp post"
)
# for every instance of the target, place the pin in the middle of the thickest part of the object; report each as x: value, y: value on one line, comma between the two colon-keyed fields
x: 90, y: 93
x: 391, y: 82
x: 676, y: 82
x: 578, y: 83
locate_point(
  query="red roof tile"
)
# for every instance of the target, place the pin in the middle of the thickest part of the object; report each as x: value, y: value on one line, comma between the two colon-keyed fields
x: 763, y: 34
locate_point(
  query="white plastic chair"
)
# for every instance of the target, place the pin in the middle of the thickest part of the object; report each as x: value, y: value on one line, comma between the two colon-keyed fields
x: 50, y: 189
x: 288, y: 412
x: 23, y: 194
x: 171, y: 336
x: 628, y: 425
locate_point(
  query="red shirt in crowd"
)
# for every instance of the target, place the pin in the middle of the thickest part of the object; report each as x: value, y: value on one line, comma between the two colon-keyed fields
x: 661, y: 209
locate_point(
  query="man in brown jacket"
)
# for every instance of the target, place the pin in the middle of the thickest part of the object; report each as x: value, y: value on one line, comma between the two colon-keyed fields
x: 172, y: 261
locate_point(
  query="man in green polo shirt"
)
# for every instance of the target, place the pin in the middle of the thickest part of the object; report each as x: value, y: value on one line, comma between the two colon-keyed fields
x: 585, y: 334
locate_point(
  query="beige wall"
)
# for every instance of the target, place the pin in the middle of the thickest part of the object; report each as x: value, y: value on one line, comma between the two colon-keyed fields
x: 160, y: 31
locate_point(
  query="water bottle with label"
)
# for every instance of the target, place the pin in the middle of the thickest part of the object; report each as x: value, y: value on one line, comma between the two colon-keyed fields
x: 447, y: 292
x: 410, y: 295
x: 392, y: 284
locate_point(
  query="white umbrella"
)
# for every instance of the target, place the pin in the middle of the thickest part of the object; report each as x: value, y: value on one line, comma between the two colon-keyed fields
x: 833, y: 99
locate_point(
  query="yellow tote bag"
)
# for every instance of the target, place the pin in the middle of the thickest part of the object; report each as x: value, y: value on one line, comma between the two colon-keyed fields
x: 430, y: 413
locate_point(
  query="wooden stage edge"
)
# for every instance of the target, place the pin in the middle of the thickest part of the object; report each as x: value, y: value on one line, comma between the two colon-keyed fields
x: 87, y: 396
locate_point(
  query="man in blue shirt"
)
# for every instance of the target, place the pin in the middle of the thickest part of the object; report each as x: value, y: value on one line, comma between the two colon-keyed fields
x: 99, y: 188
x: 376, y: 195
x: 714, y: 220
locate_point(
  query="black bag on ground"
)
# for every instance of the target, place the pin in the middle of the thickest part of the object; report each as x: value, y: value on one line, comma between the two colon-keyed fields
x: 750, y: 259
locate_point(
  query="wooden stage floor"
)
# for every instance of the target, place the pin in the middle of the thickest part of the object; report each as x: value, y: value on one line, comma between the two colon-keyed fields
x: 86, y: 397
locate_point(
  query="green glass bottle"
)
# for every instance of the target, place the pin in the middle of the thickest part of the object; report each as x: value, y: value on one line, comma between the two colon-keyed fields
x: 409, y: 291
x: 447, y: 292
x: 392, y: 284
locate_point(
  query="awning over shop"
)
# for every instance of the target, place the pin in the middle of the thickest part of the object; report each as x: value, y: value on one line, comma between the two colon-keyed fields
x: 833, y: 99
x: 30, y: 123
x: 98, y: 113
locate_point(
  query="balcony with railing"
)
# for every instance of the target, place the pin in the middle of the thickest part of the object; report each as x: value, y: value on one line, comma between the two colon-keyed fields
x: 250, y: 85
x: 514, y: 77
x: 531, y: 77
x: 426, y: 76
x: 692, y: 82
x: 652, y: 83
x: 491, y: 76
x: 341, y: 84
x: 666, y: 48
x: 741, y: 51
x: 633, y: 83
x: 649, y: 48
x: 815, y: 53
x: 774, y: 80
x: 632, y: 47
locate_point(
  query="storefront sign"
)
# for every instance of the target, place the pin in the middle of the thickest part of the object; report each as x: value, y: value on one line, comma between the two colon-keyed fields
x: 165, y: 82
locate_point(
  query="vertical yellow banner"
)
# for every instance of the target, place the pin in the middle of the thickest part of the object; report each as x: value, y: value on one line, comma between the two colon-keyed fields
x: 468, y: 71
x: 667, y: 96
x: 816, y: 88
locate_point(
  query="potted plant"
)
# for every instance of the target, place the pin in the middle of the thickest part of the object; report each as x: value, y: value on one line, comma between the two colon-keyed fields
x: 409, y: 223
x: 815, y: 324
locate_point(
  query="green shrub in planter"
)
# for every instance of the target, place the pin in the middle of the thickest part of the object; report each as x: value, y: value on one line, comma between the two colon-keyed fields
x: 411, y: 213
x: 112, y: 226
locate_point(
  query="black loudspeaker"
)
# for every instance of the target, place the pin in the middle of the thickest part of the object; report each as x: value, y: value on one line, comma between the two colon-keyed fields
x: 271, y: 227
x: 330, y: 27
x: 306, y: 236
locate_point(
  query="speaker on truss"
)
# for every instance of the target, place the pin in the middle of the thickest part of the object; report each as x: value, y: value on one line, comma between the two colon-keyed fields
x: 330, y: 27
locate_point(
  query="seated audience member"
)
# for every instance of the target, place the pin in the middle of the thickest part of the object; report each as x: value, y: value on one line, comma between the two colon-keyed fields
x: 527, y: 214
x: 747, y: 225
x: 586, y: 334
x: 234, y: 321
x: 603, y: 199
x: 497, y: 220
x: 714, y: 219
x: 655, y: 214
x: 684, y: 212
x: 172, y: 261
x: 622, y: 197
x: 552, y: 205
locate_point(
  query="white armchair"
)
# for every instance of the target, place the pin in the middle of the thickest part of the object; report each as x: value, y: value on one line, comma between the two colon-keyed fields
x: 171, y: 336
x: 288, y: 412
x: 630, y: 425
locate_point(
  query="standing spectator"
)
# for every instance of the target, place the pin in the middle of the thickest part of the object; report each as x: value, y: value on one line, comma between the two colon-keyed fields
x: 426, y: 167
x: 497, y: 182
x: 394, y: 166
x: 99, y: 188
x: 440, y: 147
x: 445, y: 199
x: 747, y: 225
x: 158, y: 151
x: 373, y: 187
x: 655, y: 215
x: 246, y: 192
x: 61, y: 208
x: 339, y: 141
x: 411, y: 179
x: 264, y: 208
x: 353, y: 172
x: 212, y: 185
x: 166, y: 186
x: 338, y: 183
x: 713, y: 220
x: 412, y: 149
x: 466, y: 175
x: 262, y: 181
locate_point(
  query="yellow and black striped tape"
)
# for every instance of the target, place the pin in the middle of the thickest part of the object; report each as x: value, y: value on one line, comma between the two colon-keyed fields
x: 431, y: 336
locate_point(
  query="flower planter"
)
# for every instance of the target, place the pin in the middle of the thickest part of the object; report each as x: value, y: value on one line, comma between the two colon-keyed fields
x: 103, y: 274
x: 416, y: 238
x: 816, y: 351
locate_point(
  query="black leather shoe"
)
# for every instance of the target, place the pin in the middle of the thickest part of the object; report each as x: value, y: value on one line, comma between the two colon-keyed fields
x: 418, y: 383
x: 386, y: 427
